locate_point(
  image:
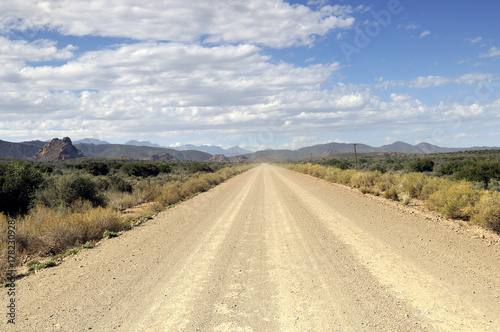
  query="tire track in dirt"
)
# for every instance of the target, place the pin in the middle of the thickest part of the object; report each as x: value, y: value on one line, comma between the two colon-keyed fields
x: 443, y: 305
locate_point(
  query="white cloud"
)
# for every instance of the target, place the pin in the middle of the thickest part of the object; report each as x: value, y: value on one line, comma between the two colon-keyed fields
x: 166, y: 87
x: 474, y: 40
x: 429, y: 81
x: 412, y: 26
x: 273, y: 23
x: 425, y: 33
x: 424, y: 82
x: 492, y: 52
x: 40, y: 50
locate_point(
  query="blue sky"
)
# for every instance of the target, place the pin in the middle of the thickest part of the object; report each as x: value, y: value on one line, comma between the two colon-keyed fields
x: 254, y: 73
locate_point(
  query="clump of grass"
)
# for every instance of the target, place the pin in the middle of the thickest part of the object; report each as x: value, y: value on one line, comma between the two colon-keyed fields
x: 108, y: 234
x: 405, y: 197
x: 392, y: 193
x: 35, y: 264
x: 46, y: 231
x: 47, y: 263
x: 32, y: 263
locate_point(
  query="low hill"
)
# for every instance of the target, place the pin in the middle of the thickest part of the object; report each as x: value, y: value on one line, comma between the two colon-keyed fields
x: 18, y: 150
x: 138, y: 152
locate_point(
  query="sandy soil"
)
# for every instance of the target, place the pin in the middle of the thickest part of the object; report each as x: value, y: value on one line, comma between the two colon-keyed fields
x: 272, y: 250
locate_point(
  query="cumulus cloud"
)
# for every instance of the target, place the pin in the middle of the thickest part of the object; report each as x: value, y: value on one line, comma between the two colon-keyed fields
x: 273, y: 23
x: 164, y: 86
x: 40, y: 50
x: 492, y: 53
x: 188, y: 71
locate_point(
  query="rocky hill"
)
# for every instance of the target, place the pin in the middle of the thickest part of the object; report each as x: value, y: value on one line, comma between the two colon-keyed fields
x: 58, y: 149
x: 218, y: 158
x: 239, y: 159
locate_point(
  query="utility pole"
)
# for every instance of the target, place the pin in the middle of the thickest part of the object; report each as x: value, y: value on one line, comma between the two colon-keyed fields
x: 355, y: 156
x: 311, y: 157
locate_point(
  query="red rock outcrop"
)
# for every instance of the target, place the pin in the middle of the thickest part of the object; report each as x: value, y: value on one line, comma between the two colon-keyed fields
x: 239, y: 159
x: 58, y: 149
x: 218, y: 158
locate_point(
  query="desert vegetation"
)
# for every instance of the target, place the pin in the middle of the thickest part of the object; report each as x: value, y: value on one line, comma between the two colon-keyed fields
x: 63, y: 205
x: 458, y: 185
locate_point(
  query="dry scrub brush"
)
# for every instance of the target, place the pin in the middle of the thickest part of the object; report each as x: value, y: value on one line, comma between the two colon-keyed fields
x: 454, y: 199
x: 45, y: 231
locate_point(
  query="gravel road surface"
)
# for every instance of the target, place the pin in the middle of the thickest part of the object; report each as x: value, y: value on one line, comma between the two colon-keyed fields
x: 272, y: 250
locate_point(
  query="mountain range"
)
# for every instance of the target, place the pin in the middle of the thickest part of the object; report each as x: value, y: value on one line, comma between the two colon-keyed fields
x: 148, y: 150
x: 323, y: 150
x: 231, y: 152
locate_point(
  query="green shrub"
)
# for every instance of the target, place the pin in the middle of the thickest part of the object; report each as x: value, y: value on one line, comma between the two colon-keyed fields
x: 117, y: 183
x: 432, y: 185
x: 456, y: 202
x: 412, y: 183
x: 195, y: 167
x: 421, y: 165
x: 165, y: 168
x: 19, y: 182
x: 482, y: 172
x: 140, y: 169
x: 378, y: 167
x: 365, y: 179
x: 386, y: 181
x: 67, y: 190
x: 97, y: 168
x: 345, y: 176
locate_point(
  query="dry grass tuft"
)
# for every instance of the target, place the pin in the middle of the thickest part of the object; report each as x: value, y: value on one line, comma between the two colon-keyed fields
x: 45, y: 231
x: 487, y: 211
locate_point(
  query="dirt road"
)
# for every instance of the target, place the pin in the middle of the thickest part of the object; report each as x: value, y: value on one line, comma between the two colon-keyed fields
x: 272, y: 250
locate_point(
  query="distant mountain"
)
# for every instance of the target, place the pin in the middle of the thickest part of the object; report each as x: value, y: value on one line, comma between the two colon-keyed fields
x: 17, y: 150
x: 142, y: 143
x: 91, y: 141
x: 27, y: 150
x: 38, y: 144
x: 138, y: 152
x: 322, y: 150
x: 234, y: 151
